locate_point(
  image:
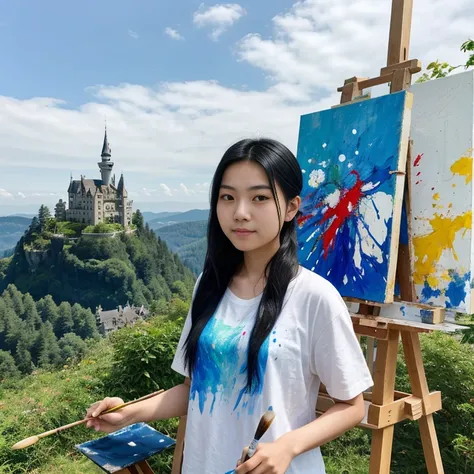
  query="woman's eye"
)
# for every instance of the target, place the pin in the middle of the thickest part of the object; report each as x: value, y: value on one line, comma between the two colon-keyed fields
x: 226, y: 197
x: 261, y: 198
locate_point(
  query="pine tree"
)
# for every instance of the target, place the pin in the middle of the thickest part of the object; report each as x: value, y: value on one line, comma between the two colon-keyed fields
x: 8, y: 368
x: 47, y: 309
x: 30, y: 315
x: 35, y: 225
x: 16, y: 299
x: 23, y: 358
x: 49, y: 351
x: 64, y: 323
x: 138, y: 219
x: 43, y: 215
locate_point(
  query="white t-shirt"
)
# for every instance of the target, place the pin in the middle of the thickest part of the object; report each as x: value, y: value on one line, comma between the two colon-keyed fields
x: 313, y: 341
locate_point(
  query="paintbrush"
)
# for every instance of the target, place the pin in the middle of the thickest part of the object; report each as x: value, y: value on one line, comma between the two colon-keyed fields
x: 263, y: 425
x: 24, y: 443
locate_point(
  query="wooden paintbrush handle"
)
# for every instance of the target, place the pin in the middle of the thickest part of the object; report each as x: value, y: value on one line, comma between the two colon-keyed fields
x: 150, y: 395
x: 110, y: 410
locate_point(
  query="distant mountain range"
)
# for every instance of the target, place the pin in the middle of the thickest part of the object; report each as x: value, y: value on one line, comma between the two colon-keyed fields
x: 188, y: 240
x: 11, y: 230
x: 158, y: 220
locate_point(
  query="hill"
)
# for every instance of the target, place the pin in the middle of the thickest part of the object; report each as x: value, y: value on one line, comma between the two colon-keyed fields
x: 40, y: 333
x: 188, y: 240
x: 136, y: 268
x: 188, y: 216
x: 11, y: 230
x: 148, y: 215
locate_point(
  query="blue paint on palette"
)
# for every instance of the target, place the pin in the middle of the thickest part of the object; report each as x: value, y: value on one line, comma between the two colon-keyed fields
x: 125, y: 447
x: 220, y: 373
x: 347, y: 155
x: 426, y: 316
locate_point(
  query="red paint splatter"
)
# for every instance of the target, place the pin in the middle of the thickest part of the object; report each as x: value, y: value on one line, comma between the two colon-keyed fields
x: 418, y: 182
x: 418, y: 159
x: 348, y: 202
x: 418, y: 174
x: 244, y: 333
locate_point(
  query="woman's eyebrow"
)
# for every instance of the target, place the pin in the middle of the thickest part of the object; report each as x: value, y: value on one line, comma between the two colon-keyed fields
x: 250, y: 188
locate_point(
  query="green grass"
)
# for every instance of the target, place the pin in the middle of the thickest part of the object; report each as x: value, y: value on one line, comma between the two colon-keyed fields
x: 44, y: 401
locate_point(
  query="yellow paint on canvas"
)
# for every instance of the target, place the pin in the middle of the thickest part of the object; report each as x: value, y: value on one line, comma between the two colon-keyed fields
x: 428, y: 248
x: 436, y: 196
x: 463, y: 167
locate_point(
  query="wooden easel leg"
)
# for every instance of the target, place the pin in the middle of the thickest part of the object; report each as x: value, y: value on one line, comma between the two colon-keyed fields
x: 383, y: 393
x: 419, y: 386
x: 179, y: 447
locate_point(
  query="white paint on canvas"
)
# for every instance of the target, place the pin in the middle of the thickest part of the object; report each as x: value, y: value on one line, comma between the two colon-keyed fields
x: 442, y: 130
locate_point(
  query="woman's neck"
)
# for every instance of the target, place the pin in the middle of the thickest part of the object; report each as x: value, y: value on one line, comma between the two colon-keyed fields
x: 255, y: 262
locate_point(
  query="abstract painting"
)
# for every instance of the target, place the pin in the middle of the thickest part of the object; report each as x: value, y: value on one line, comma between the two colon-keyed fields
x: 125, y: 447
x: 442, y: 130
x: 353, y: 160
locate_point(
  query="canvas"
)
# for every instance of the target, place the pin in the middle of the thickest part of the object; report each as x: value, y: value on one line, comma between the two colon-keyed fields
x: 125, y: 447
x: 441, y: 189
x: 353, y: 158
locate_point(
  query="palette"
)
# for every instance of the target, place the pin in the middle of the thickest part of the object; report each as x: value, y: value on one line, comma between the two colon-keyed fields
x: 125, y: 447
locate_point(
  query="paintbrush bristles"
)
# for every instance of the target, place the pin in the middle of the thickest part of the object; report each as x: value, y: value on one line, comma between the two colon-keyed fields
x: 264, y: 424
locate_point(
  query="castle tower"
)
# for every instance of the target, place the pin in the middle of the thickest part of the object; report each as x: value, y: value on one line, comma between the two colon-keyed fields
x: 106, y: 164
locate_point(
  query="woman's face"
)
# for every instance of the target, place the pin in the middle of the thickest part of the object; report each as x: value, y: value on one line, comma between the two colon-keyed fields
x: 246, y: 209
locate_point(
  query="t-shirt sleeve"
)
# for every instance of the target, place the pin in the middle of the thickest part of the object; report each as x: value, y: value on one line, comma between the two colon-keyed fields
x: 178, y: 364
x: 338, y: 359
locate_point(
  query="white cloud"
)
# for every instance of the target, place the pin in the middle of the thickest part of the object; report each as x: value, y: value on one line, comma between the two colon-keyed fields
x: 5, y: 194
x: 21, y: 195
x: 179, y: 130
x: 133, y: 34
x: 166, y: 189
x: 221, y: 17
x: 173, y: 34
x: 319, y: 43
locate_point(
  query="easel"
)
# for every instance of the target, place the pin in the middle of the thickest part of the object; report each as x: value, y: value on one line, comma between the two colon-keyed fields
x: 384, y: 405
x: 139, y: 468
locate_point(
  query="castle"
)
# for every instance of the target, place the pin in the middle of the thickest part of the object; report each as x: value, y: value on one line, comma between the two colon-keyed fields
x: 95, y: 201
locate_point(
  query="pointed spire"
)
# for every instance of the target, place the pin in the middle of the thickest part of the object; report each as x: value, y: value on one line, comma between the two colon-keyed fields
x: 106, y: 151
x: 121, y: 183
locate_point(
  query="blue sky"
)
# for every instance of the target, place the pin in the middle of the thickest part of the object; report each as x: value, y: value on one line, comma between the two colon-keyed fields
x: 58, y: 49
x: 175, y: 101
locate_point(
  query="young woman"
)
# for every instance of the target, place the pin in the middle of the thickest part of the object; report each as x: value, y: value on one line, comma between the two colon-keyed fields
x: 262, y: 331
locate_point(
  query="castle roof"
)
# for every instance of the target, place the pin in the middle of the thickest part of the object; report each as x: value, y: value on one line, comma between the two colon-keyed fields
x: 106, y: 151
x: 93, y: 186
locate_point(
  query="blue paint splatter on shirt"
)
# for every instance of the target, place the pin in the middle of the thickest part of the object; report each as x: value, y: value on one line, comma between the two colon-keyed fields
x: 220, y: 372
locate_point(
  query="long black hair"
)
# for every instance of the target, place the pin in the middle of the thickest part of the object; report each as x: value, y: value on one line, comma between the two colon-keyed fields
x: 223, y: 259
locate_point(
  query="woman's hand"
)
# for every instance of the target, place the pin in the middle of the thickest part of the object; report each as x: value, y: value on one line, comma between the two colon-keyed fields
x: 110, y: 422
x: 269, y: 458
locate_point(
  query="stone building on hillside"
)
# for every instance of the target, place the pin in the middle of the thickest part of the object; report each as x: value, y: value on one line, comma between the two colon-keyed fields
x: 114, y: 319
x: 95, y: 201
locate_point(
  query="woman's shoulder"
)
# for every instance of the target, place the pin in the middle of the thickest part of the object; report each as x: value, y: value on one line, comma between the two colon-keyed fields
x: 315, y: 289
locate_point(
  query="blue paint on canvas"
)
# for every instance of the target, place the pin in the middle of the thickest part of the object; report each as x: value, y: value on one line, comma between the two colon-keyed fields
x: 125, y: 447
x: 220, y: 373
x: 348, y: 156
x: 456, y: 291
